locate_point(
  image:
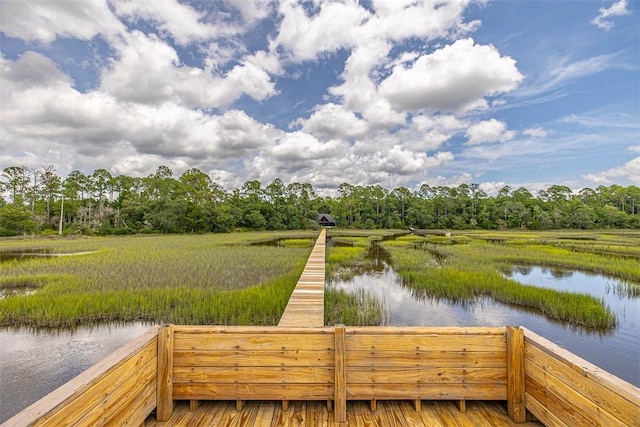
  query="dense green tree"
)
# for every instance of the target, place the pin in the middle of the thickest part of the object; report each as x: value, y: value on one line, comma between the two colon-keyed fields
x: 102, y: 203
x: 15, y: 219
x: 16, y: 181
x: 51, y: 184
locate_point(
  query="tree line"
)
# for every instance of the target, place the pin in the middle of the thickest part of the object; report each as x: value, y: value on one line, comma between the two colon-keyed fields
x: 40, y: 201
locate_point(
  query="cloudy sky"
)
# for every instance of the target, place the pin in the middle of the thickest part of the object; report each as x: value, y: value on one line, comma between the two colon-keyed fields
x: 390, y: 92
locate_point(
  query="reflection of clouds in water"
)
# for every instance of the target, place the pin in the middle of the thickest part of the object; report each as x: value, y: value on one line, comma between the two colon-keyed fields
x: 32, y: 365
x: 622, y: 298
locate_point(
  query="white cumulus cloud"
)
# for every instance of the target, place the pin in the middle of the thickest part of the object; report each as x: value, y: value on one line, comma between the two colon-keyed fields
x: 46, y: 20
x: 489, y: 131
x: 182, y: 22
x: 630, y: 172
x: 333, y: 121
x: 450, y: 78
x: 149, y: 71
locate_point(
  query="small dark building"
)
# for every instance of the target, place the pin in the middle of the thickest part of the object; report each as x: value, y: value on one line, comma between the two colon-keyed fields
x: 326, y: 220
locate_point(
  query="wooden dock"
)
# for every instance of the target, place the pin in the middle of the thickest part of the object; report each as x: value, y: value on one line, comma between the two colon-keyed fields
x: 306, y: 305
x: 315, y: 375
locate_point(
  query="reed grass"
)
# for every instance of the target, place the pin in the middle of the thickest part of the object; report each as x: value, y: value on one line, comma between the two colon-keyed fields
x: 469, y: 271
x: 344, y: 262
x: 352, y: 308
x: 199, y: 279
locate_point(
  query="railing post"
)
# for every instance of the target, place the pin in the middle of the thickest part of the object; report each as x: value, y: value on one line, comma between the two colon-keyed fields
x: 516, y: 403
x: 341, y: 377
x: 164, y: 384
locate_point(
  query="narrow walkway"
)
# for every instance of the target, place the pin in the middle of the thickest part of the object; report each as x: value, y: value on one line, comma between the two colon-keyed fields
x: 306, y: 304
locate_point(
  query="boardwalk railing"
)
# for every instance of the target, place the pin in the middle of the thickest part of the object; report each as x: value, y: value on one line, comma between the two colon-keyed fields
x: 564, y: 390
x: 338, y: 364
x: 120, y: 389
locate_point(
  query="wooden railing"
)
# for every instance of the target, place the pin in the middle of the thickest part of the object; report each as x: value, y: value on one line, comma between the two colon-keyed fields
x: 335, y: 364
x: 565, y: 390
x: 120, y: 389
x: 252, y: 363
x: 338, y: 364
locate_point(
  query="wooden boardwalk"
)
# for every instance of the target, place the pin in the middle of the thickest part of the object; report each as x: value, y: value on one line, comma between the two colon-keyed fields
x: 306, y: 305
x: 301, y: 414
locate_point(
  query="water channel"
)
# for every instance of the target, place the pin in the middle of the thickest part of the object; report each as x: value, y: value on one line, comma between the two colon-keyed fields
x: 617, y: 351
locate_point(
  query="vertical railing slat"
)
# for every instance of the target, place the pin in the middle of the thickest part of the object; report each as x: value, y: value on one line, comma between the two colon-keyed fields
x: 516, y: 403
x: 164, y: 408
x: 341, y: 377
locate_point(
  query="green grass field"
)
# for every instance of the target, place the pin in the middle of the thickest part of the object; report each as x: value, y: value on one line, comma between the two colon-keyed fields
x: 198, y: 279
x: 227, y: 279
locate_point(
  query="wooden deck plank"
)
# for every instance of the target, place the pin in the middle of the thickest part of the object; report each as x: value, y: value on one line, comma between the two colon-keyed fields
x: 462, y: 419
x: 296, y: 415
x: 411, y: 415
x: 265, y: 414
x: 396, y: 415
x: 359, y: 414
x: 446, y: 417
x: 317, y: 415
x: 306, y: 304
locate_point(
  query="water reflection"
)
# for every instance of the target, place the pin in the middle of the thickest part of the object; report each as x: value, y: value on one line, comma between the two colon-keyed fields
x: 405, y: 306
x: 7, y: 292
x: 34, y: 364
x: 286, y: 242
x: 26, y: 254
x: 612, y: 290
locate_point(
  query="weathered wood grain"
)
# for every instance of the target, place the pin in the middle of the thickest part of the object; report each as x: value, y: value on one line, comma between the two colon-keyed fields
x: 231, y: 358
x: 165, y: 373
x: 291, y: 392
x: 572, y: 389
x: 267, y: 341
x: 340, y: 377
x: 516, y: 405
x: 427, y: 391
x: 556, y: 389
x: 253, y: 375
x: 428, y: 358
x: 418, y: 375
x: 444, y: 342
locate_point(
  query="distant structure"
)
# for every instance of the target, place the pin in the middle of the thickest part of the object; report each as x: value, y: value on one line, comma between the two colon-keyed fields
x: 326, y: 220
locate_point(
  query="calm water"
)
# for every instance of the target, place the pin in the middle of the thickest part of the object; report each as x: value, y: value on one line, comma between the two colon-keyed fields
x: 616, y: 351
x: 32, y: 365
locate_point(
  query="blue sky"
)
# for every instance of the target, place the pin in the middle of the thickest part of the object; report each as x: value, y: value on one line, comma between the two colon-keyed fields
x: 389, y: 92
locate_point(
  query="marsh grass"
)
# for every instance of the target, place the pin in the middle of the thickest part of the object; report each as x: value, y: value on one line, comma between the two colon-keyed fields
x: 348, y: 253
x: 298, y: 243
x: 345, y: 260
x: 352, y: 308
x: 179, y: 279
x: 469, y: 271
